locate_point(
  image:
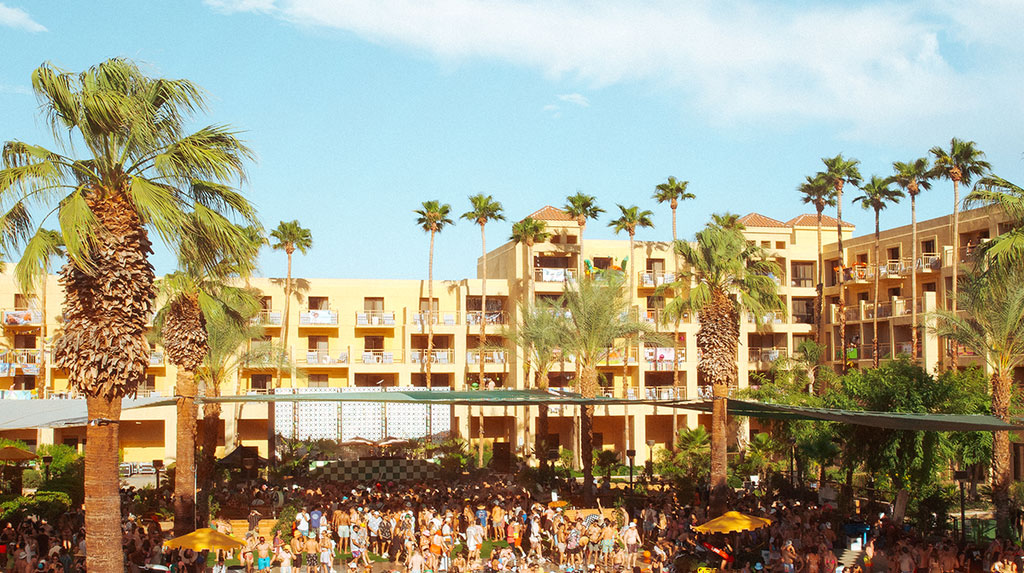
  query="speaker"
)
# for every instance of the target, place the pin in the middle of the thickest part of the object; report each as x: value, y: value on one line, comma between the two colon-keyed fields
x: 501, y: 460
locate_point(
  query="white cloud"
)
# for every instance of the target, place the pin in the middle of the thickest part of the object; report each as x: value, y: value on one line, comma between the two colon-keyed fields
x: 232, y: 6
x: 18, y: 90
x: 576, y: 99
x: 866, y: 66
x: 17, y: 18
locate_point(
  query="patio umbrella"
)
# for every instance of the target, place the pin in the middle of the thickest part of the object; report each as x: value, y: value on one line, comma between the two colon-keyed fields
x: 13, y: 454
x: 201, y: 539
x: 357, y: 441
x: 392, y: 441
x: 733, y: 522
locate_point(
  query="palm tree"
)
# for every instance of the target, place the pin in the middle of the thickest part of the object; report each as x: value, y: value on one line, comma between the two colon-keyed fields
x: 33, y: 271
x: 629, y: 219
x: 817, y: 191
x: 289, y: 236
x: 674, y: 191
x: 727, y: 221
x: 1007, y: 248
x: 839, y: 171
x: 961, y: 164
x: 595, y: 319
x: 583, y: 208
x: 529, y: 231
x: 729, y: 277
x: 993, y: 329
x: 432, y: 218
x: 140, y: 169
x: 484, y: 209
x: 913, y: 177
x: 877, y: 196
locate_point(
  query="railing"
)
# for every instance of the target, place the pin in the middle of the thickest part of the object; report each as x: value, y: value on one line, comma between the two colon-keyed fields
x: 381, y: 357
x: 663, y: 358
x: 320, y: 317
x: 20, y: 356
x: 614, y: 357
x: 802, y: 282
x: 550, y: 275
x: 852, y: 313
x: 757, y: 354
x: 768, y: 318
x: 22, y: 317
x: 707, y: 392
x: 665, y: 393
x: 803, y: 318
x: 928, y: 262
x: 475, y: 317
x: 326, y: 358
x: 968, y: 254
x: 489, y: 356
x: 156, y: 359
x: 442, y: 317
x: 436, y: 356
x: 653, y: 279
x: 267, y: 317
x: 375, y: 318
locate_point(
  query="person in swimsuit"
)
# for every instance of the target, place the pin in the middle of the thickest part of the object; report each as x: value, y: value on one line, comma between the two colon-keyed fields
x: 312, y: 548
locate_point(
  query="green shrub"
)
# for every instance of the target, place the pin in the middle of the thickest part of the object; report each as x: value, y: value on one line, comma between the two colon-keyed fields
x: 46, y: 504
x: 285, y: 520
x: 32, y: 479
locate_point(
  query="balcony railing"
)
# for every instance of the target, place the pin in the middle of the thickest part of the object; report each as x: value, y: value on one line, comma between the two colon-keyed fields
x: 381, y: 356
x: 929, y: 262
x: 319, y: 317
x: 326, y: 358
x: 22, y: 317
x: 550, y: 275
x: 771, y: 354
x: 901, y: 306
x: 267, y: 317
x: 489, y: 356
x: 614, y: 357
x: 803, y: 318
x: 21, y: 357
x: 437, y: 317
x: 768, y: 318
x: 436, y: 356
x: 662, y: 358
x: 475, y: 317
x: 375, y: 318
x: 802, y: 282
x: 156, y: 359
x: 654, y: 279
x: 665, y: 393
x: 852, y: 313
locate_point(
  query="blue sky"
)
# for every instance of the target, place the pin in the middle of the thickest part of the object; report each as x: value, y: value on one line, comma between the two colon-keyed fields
x: 359, y: 111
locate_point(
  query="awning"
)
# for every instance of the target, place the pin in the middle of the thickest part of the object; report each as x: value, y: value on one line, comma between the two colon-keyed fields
x: 54, y: 412
x: 887, y: 420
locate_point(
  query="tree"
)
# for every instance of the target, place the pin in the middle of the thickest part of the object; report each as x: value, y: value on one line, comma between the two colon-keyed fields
x: 432, y: 218
x: 289, y: 236
x: 484, y: 209
x: 838, y: 172
x: 727, y: 221
x: 994, y: 330
x: 729, y: 276
x: 32, y: 273
x: 628, y: 221
x: 818, y: 192
x: 673, y: 191
x: 913, y: 177
x: 1008, y: 247
x: 583, y: 208
x: 961, y: 164
x: 877, y: 196
x: 529, y: 232
x: 596, y: 317
x: 140, y: 171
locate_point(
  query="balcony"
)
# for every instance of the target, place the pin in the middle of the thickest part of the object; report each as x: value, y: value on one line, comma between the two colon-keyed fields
x: 657, y: 316
x: 318, y: 318
x: 929, y: 263
x: 553, y: 275
x: 654, y: 279
x: 436, y: 356
x: 614, y: 357
x: 803, y: 318
x: 375, y: 319
x: 493, y: 317
x: 852, y: 313
x: 867, y: 351
x: 268, y: 318
x: 18, y: 318
x: 768, y: 318
x: 662, y: 359
x: 156, y: 359
x: 381, y: 357
x: 318, y: 358
x: 26, y: 360
x: 765, y: 355
x: 489, y: 357
x: 665, y: 393
x: 801, y: 282
x: 422, y: 319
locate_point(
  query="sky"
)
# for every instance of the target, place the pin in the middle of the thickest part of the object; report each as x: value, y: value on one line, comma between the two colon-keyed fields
x: 358, y: 111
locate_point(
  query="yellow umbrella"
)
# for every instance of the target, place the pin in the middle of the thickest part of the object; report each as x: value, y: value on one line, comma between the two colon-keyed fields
x: 733, y: 522
x: 204, y: 539
x: 13, y: 454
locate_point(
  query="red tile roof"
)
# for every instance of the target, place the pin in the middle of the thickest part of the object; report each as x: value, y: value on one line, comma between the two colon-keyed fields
x: 811, y: 220
x: 759, y: 220
x: 549, y: 213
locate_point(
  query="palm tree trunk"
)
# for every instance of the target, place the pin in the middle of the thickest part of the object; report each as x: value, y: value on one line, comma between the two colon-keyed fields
x: 821, y: 299
x: 185, y: 457
x: 588, y: 386
x: 207, y: 457
x: 430, y: 330
x: 874, y: 321
x: 103, y: 512
x: 543, y: 425
x: 42, y: 334
x: 718, y: 339
x: 482, y: 343
x: 675, y: 385
x: 272, y: 405
x: 913, y: 276
x: 954, y: 358
x: 1002, y: 477
x: 842, y: 270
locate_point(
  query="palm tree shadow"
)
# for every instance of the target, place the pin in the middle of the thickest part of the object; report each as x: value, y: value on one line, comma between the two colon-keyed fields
x: 300, y: 287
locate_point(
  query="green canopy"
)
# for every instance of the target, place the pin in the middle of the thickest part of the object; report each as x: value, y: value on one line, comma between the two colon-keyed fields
x: 888, y: 420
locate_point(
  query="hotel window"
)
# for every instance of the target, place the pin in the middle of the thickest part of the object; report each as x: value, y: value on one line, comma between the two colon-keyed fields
x: 766, y: 244
x: 259, y: 381
x: 317, y: 381
x: 318, y: 303
x: 803, y: 274
x: 428, y: 306
x: 928, y: 287
x: 602, y: 262
x: 24, y: 341
x: 267, y: 303
x: 894, y: 254
x: 373, y: 303
x: 25, y: 301
x: 149, y: 385
x: 780, y: 245
x: 373, y: 343
x: 928, y: 247
x: 655, y: 265
x: 318, y: 344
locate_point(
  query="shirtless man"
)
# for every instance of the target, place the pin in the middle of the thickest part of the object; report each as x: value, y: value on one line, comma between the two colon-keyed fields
x: 608, y: 534
x: 948, y: 561
x: 788, y: 557
x: 263, y: 555
x: 905, y: 561
x: 312, y: 549
x: 298, y: 542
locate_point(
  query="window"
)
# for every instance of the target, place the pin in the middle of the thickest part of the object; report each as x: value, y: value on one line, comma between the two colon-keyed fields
x: 428, y: 306
x: 803, y: 310
x: 862, y: 296
x: 373, y: 343
x: 780, y: 245
x: 655, y: 302
x: 799, y: 339
x: 24, y: 382
x: 862, y: 258
x: 553, y: 262
x: 317, y: 344
x: 766, y: 244
x: 656, y: 265
x: 149, y: 385
x: 267, y: 303
x: 570, y: 239
x: 318, y: 303
x: 317, y: 381
x: 803, y: 274
x: 373, y: 303
x: 602, y: 262
x: 555, y: 239
x: 928, y: 247
x: 25, y: 301
x: 929, y: 287
x: 24, y: 341
x: 259, y: 381
x: 894, y: 292
x: 494, y: 303
x: 894, y: 254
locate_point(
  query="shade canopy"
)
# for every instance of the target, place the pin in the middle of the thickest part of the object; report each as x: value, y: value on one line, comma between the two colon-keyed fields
x: 201, y: 539
x: 13, y: 454
x: 733, y: 522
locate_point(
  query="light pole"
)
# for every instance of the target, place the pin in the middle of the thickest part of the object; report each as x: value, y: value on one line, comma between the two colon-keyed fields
x: 630, y: 454
x: 158, y: 465
x: 649, y: 466
x: 962, y: 476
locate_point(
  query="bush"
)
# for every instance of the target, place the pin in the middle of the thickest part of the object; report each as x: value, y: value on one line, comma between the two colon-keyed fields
x: 32, y: 479
x: 285, y: 520
x: 46, y: 504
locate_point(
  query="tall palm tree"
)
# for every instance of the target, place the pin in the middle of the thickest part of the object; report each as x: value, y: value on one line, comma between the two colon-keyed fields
x: 913, y: 177
x: 838, y: 172
x: 961, y: 164
x: 432, y: 217
x: 816, y: 191
x: 673, y: 191
x: 1007, y: 248
x: 993, y: 328
x: 629, y: 219
x: 289, y: 236
x: 877, y: 196
x: 484, y: 209
x: 529, y: 232
x: 583, y: 208
x: 32, y: 272
x: 727, y: 221
x: 729, y: 277
x: 596, y: 318
x: 140, y: 169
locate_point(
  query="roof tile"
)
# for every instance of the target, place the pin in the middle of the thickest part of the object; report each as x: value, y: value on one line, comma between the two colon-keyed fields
x: 549, y: 213
x: 811, y: 220
x: 759, y: 220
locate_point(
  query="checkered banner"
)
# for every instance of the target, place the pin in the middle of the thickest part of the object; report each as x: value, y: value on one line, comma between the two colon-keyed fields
x: 378, y: 470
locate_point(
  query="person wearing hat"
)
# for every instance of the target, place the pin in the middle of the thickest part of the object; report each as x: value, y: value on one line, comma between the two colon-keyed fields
x: 631, y: 538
